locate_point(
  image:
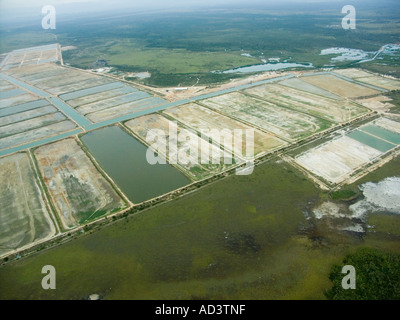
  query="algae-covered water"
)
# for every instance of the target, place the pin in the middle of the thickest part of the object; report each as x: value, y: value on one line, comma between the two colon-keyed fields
x: 244, y: 237
x: 124, y: 159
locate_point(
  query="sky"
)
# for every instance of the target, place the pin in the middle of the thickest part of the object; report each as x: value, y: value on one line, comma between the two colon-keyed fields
x: 31, y: 9
x: 140, y: 3
x: 19, y: 9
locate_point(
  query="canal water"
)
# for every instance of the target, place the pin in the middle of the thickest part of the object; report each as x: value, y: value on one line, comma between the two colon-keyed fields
x: 268, y: 67
x: 124, y: 159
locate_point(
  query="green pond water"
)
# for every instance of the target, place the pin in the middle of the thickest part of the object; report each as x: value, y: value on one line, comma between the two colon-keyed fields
x: 371, y: 141
x: 124, y: 159
x: 382, y: 133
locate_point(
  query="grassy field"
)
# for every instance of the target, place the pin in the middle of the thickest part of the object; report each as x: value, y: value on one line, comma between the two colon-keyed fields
x: 395, y: 96
x: 184, y: 47
x: 240, y: 238
x: 243, y: 237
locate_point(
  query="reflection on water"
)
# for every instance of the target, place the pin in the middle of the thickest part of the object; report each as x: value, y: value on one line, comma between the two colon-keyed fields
x: 124, y: 159
x: 268, y: 67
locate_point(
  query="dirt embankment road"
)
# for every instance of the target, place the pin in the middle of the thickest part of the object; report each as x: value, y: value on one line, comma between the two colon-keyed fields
x: 176, y: 94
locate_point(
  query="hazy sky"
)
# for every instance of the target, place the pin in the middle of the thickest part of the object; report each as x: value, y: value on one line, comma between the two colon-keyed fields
x: 17, y: 8
x: 28, y: 9
x: 140, y: 3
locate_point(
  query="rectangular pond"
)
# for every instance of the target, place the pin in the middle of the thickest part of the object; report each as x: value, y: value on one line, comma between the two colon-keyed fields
x: 11, y: 93
x: 371, y: 141
x: 392, y: 137
x: 92, y: 90
x: 124, y: 158
x: 23, y: 107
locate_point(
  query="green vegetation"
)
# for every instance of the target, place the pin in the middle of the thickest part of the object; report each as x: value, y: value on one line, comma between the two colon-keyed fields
x: 350, y: 191
x: 395, y: 96
x: 244, y: 237
x: 377, y: 276
x: 206, y: 244
x: 386, y: 64
x: 181, y: 47
x: 343, y: 194
x: 187, y: 79
x: 385, y: 223
x: 18, y: 39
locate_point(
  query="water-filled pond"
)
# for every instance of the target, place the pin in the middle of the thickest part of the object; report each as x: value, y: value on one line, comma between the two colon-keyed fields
x: 124, y: 159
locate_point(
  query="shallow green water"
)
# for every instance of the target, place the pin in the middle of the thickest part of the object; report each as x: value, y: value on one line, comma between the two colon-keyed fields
x: 124, y: 159
x: 371, y: 141
x: 388, y: 135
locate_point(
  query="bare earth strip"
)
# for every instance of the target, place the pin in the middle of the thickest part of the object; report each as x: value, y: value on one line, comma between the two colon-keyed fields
x: 88, y: 83
x: 38, y: 77
x: 388, y: 124
x: 381, y: 82
x: 201, y: 118
x: 332, y: 110
x: 299, y: 84
x: 378, y: 103
x: 112, y: 102
x: 27, y: 115
x: 339, y: 86
x: 24, y: 217
x: 92, y: 90
x: 125, y: 109
x: 31, y: 105
x: 79, y: 192
x: 353, y: 73
x: 32, y: 70
x: 62, y: 80
x: 34, y: 74
x: 100, y: 96
x: 284, y: 123
x: 9, y: 102
x: 186, y: 145
x: 5, y: 85
x: 337, y: 159
x: 30, y: 124
x: 37, y: 134
x: 32, y: 56
x: 59, y: 77
x: 48, y: 54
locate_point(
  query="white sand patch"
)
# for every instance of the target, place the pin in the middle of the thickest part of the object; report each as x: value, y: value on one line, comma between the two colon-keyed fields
x: 379, y: 197
x: 388, y: 124
x: 345, y: 54
x: 337, y: 159
x: 329, y: 209
x: 339, y: 216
